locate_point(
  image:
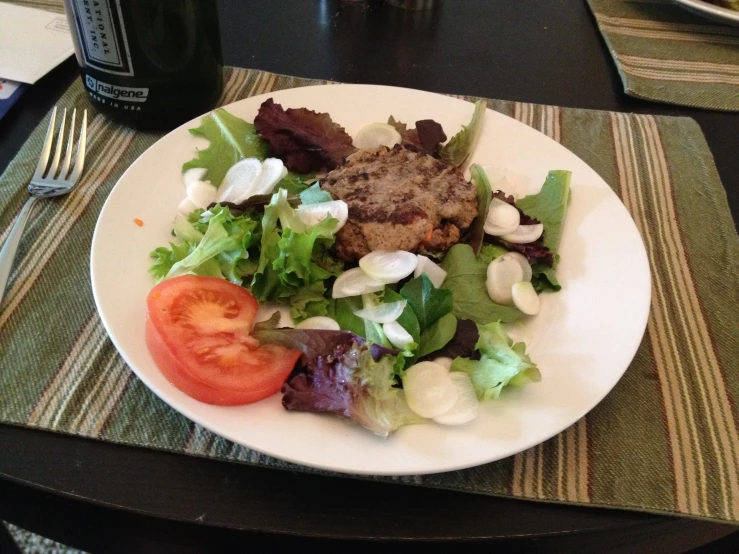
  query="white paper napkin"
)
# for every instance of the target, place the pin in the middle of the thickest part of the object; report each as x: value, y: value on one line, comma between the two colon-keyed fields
x: 32, y: 42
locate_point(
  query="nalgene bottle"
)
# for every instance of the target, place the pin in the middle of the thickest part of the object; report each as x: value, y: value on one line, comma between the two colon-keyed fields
x: 152, y: 64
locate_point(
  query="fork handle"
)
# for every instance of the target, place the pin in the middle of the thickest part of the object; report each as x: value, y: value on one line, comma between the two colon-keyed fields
x: 7, y: 254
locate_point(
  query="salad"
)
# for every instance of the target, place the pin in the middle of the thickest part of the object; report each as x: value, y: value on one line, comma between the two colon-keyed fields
x: 278, y: 279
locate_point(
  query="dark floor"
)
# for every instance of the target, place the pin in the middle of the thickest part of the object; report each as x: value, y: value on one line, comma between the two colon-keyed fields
x: 20, y: 541
x: 727, y: 545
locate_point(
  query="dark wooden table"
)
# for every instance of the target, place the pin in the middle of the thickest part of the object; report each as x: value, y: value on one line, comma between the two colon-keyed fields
x: 106, y: 498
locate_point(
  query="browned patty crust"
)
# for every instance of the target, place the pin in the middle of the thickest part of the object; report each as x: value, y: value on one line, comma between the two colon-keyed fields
x: 400, y: 199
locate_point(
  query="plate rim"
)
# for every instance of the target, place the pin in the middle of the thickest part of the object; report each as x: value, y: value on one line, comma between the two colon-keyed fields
x: 641, y: 318
x: 712, y: 11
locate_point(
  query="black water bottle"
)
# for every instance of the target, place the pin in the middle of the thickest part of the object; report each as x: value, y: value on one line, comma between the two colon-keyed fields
x: 152, y: 64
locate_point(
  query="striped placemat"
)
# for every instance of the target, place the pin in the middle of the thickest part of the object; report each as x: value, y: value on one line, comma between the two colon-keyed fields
x: 56, y: 6
x: 665, y: 440
x: 667, y: 54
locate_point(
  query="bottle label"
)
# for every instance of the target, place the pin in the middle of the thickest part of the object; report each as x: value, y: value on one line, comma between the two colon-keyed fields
x: 102, y: 34
x: 130, y: 94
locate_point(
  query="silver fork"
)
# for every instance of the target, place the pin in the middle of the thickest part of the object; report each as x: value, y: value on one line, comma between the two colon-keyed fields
x: 48, y: 180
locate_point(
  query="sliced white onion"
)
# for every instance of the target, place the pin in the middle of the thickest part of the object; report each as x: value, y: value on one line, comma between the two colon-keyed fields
x: 193, y: 175
x: 186, y: 206
x: 466, y: 407
x: 370, y: 300
x: 377, y: 134
x: 397, y: 335
x: 443, y: 361
x: 239, y: 180
x: 312, y: 214
x: 502, y: 274
x: 389, y: 267
x: 429, y: 390
x: 524, y: 234
x: 523, y: 262
x: 404, y: 412
x: 382, y: 313
x: 435, y: 274
x: 320, y: 322
x: 355, y: 282
x: 267, y: 309
x: 503, y: 179
x: 502, y: 218
x: 201, y: 193
x: 266, y: 180
x: 525, y: 298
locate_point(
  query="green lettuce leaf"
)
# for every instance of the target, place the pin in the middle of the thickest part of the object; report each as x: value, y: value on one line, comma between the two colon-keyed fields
x: 213, y: 244
x: 266, y: 282
x: 373, y: 332
x: 466, y: 275
x: 287, y: 215
x: 184, y: 230
x: 308, y: 302
x: 323, y: 259
x: 235, y: 265
x: 286, y: 261
x: 231, y: 139
x: 502, y: 363
x: 315, y: 195
x: 198, y: 221
x: 268, y: 324
x: 409, y: 322
x: 489, y: 252
x: 166, y: 258
x: 549, y: 207
x: 342, y: 310
x: 544, y: 278
x: 484, y: 197
x: 434, y: 323
x: 209, y: 268
x: 428, y: 302
x: 295, y: 264
x: 382, y: 408
x: 438, y: 335
x: 225, y: 234
x: 293, y: 183
x: 460, y: 146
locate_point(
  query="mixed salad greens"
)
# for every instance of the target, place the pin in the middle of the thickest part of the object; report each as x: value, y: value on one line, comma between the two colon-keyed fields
x: 401, y: 339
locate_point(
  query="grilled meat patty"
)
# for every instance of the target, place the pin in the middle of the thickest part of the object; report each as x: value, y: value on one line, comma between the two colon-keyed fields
x: 400, y: 199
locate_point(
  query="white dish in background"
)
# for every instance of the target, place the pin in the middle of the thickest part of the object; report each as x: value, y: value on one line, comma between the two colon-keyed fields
x: 711, y: 11
x: 583, y: 340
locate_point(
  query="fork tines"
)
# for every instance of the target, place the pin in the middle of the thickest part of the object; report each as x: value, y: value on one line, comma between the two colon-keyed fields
x: 68, y: 173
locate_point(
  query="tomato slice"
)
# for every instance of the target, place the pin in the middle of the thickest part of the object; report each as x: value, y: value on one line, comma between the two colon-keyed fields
x: 198, y: 332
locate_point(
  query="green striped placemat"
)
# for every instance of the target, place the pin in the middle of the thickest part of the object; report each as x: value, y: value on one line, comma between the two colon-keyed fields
x: 665, y: 440
x: 56, y: 6
x: 667, y: 54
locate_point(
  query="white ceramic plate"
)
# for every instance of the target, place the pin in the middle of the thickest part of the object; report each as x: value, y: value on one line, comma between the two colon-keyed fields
x: 711, y: 11
x: 583, y: 340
